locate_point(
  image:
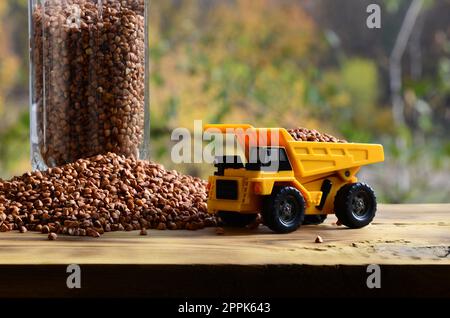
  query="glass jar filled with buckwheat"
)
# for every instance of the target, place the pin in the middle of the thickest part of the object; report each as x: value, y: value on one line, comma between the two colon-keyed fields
x: 89, y: 92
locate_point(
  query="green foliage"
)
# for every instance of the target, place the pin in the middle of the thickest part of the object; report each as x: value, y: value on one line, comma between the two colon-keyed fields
x: 349, y: 96
x: 360, y: 78
x: 8, y: 61
x: 14, y: 144
x: 444, y: 73
x: 394, y: 6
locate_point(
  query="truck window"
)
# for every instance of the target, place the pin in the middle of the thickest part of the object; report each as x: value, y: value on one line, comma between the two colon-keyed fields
x: 269, y: 159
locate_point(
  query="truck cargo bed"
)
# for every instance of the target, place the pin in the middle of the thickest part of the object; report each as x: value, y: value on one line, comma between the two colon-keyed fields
x: 313, y: 158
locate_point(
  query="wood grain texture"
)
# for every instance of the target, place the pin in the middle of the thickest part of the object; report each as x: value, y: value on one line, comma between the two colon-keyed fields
x: 400, y: 234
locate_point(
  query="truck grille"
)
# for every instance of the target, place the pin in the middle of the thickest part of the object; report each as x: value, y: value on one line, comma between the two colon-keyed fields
x: 227, y: 189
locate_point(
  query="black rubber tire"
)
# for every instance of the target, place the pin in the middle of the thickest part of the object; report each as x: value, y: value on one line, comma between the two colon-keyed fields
x: 236, y: 219
x: 284, y: 210
x: 355, y: 205
x: 314, y: 219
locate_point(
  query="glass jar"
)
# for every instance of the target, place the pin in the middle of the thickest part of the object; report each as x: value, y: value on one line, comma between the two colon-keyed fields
x: 88, y: 79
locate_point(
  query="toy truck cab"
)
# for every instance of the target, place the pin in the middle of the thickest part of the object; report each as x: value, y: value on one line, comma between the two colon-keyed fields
x: 290, y: 182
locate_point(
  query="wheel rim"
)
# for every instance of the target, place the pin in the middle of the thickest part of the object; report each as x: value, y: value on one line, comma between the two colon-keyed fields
x: 288, y: 211
x: 360, y: 205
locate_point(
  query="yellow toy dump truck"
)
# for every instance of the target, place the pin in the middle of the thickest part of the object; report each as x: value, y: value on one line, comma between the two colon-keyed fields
x: 290, y: 182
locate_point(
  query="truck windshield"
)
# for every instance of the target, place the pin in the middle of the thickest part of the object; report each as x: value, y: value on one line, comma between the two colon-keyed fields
x: 268, y: 159
x: 229, y: 154
x: 229, y: 150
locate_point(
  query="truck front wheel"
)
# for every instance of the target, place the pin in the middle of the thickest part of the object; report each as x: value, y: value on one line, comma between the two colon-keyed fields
x: 355, y: 205
x: 284, y: 210
x: 236, y: 219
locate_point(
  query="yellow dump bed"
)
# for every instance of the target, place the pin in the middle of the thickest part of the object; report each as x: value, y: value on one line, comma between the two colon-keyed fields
x: 312, y: 158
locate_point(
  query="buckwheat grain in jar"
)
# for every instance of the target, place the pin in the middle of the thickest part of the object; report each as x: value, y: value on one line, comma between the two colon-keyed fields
x: 89, y: 92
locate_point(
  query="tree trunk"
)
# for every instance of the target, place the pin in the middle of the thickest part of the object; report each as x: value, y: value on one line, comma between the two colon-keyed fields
x: 396, y: 85
x: 395, y: 63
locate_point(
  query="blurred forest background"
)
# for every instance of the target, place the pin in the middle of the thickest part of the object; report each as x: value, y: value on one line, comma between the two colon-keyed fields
x: 282, y: 63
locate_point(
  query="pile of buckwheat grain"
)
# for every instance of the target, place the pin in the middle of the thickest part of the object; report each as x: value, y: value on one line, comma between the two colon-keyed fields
x: 102, y: 194
x: 305, y: 134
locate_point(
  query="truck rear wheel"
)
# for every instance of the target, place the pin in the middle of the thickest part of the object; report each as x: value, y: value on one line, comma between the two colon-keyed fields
x: 236, y: 219
x: 355, y: 205
x: 284, y: 210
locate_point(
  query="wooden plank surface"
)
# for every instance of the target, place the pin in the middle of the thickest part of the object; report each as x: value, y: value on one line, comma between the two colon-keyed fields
x: 400, y: 234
